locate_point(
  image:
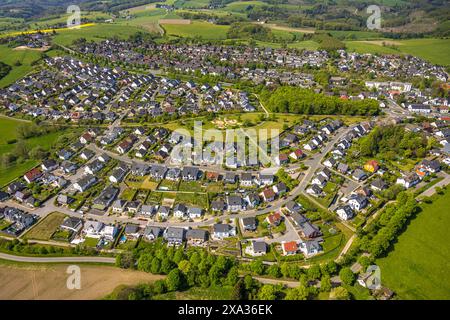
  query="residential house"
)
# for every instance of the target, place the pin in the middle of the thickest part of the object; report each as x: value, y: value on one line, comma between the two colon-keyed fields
x: 174, y: 236
x: 221, y: 231
x: 268, y: 195
x: 190, y: 173
x: 274, y: 219
x: 179, y: 211
x: 246, y: 179
x: 158, y: 172
x: 297, y: 154
x: 314, y: 190
x: 289, y: 248
x: 266, y: 179
x: 309, y: 230
x: 235, y: 203
x: 32, y: 175
x: 94, y: 167
x: 152, y: 232
x: 358, y: 202
x: 118, y: 206
x: 132, y: 231
x: 64, y: 199
x: 194, y: 212
x: 249, y: 223
x: 87, y: 154
x: 196, y: 236
x: 280, y: 188
x: 310, y: 248
x: 408, y: 181
x: 378, y: 185
x: 163, y: 212
x: 256, y: 248
x: 92, y: 229
x: 342, y: 168
x: 319, y: 180
x: 359, y: 175
x: 105, y: 198
x: 133, y: 207
x: 252, y: 199
x: 218, y: 205
x: 72, y: 224
x: 118, y: 174
x: 330, y: 163
x: 345, y: 212
x: 49, y: 165
x: 85, y: 183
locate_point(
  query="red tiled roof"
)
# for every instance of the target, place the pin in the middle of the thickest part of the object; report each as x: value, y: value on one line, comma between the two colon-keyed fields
x: 268, y: 193
x: 290, y: 246
x: 32, y: 174
x: 275, y: 217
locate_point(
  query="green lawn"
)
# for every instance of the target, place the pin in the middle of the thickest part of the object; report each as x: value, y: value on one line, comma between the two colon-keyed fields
x: 24, y: 60
x: 194, y: 199
x: 45, y: 228
x: 417, y: 267
x: 190, y: 186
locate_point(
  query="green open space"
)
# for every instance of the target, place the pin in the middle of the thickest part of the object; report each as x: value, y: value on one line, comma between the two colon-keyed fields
x: 21, y: 62
x: 417, y: 266
x: 433, y: 50
x: 45, y: 228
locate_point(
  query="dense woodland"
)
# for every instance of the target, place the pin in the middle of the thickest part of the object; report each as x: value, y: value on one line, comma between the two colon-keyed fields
x: 288, y: 99
x: 391, y: 142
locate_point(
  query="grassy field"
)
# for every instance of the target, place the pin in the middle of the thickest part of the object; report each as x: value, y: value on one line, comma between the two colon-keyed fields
x: 205, y: 30
x: 44, y: 229
x: 97, y: 32
x: 8, y: 132
x: 417, y: 266
x: 433, y: 50
x: 21, y: 62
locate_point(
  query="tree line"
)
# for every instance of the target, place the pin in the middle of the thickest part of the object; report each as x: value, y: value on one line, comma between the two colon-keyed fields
x: 288, y: 99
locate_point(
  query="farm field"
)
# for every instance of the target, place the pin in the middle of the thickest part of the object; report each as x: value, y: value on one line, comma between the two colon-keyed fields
x: 433, y: 50
x: 417, y: 266
x: 205, y: 30
x: 39, y: 282
x: 97, y: 32
x: 44, y: 229
x: 21, y: 62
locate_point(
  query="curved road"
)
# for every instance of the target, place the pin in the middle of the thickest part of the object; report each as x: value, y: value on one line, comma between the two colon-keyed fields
x: 10, y: 257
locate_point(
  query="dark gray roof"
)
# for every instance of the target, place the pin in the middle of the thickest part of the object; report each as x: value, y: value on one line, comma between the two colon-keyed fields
x: 175, y: 233
x: 221, y: 228
x: 196, y: 234
x: 259, y: 246
x: 131, y: 228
